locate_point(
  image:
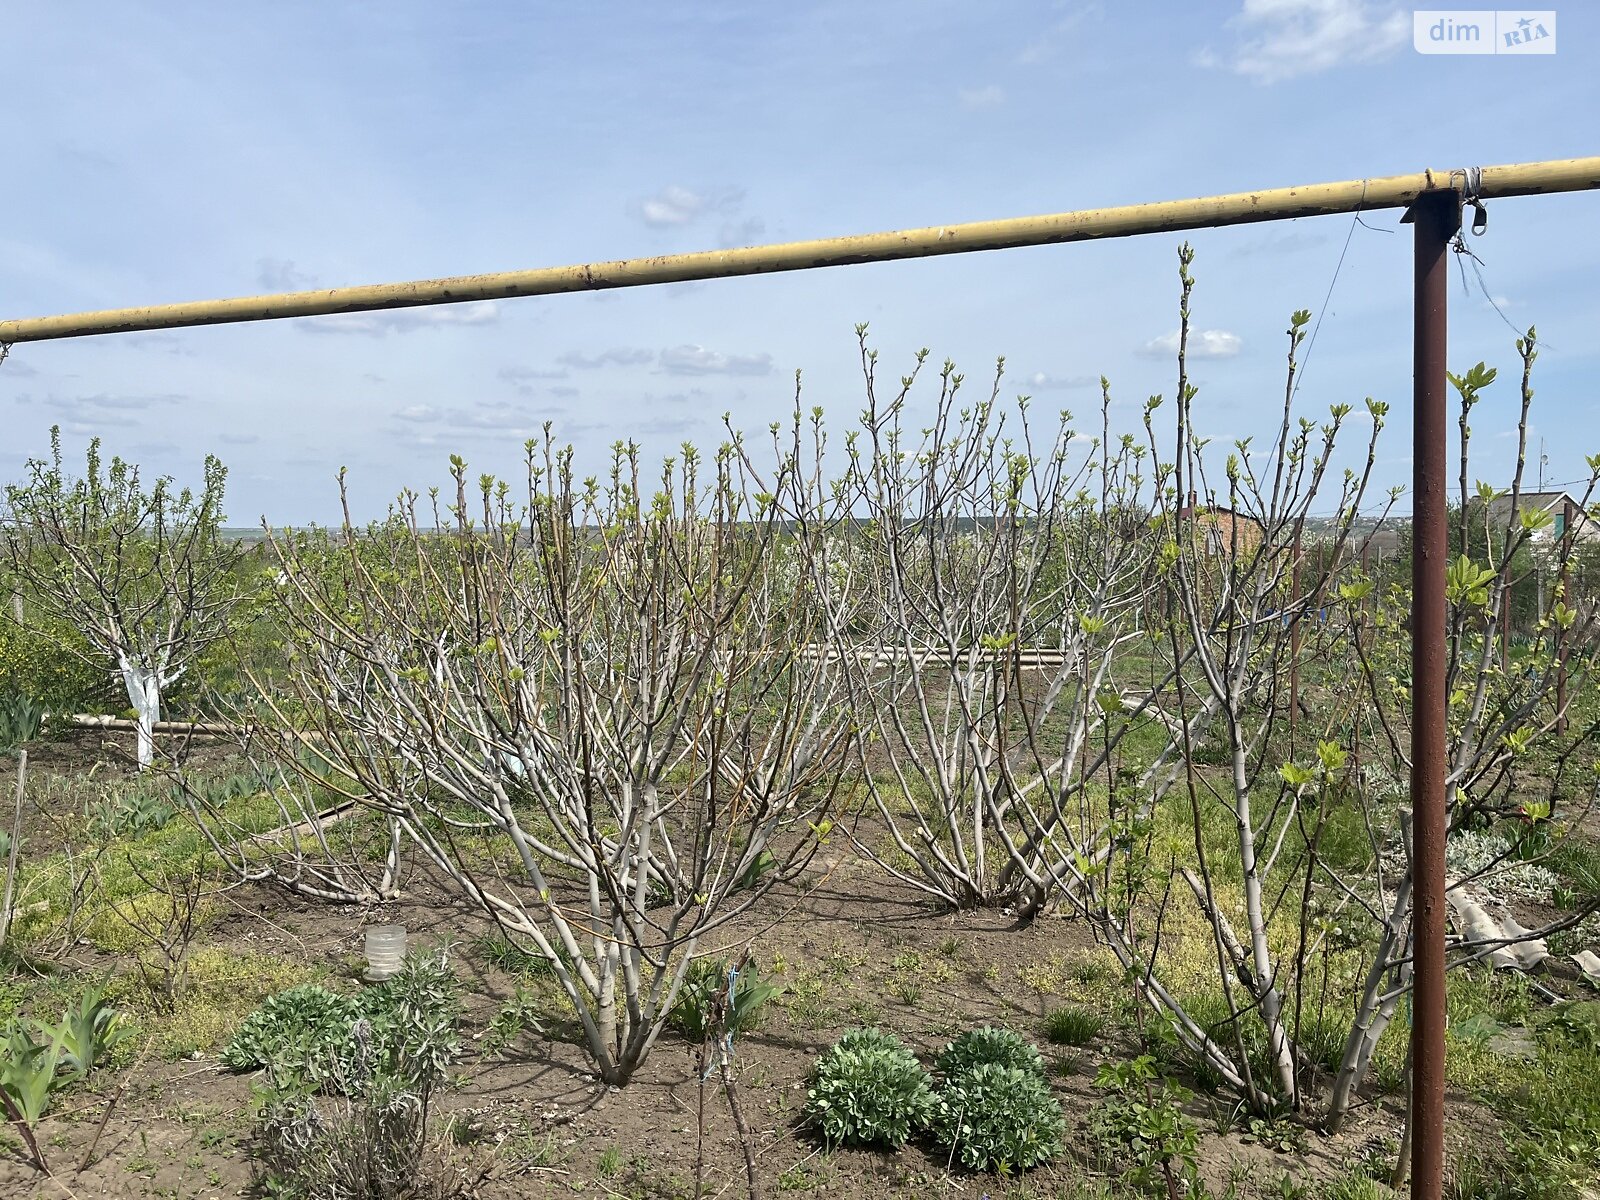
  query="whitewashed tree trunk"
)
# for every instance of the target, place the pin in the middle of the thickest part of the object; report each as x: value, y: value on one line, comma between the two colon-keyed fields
x: 144, y: 694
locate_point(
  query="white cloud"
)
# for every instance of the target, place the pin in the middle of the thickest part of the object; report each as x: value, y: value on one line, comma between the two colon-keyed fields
x: 617, y: 356
x: 671, y: 206
x: 90, y: 414
x: 238, y: 439
x: 423, y: 425
x: 1281, y: 39
x: 528, y: 374
x: 500, y: 418
x: 1042, y: 382
x: 405, y: 320
x: 1203, y: 343
x: 990, y: 96
x: 281, y: 275
x: 674, y: 207
x: 527, y: 379
x: 1048, y: 44
x: 697, y: 360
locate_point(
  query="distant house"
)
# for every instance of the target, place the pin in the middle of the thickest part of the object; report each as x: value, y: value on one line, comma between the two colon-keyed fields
x: 1585, y: 529
x: 1222, y: 532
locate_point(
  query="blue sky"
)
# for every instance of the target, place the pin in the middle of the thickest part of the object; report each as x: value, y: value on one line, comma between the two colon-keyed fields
x: 171, y: 151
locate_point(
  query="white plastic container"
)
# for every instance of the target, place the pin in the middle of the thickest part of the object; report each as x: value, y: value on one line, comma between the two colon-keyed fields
x: 386, y: 949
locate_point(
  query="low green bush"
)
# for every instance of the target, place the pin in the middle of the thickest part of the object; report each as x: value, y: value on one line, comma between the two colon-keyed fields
x: 370, y: 1137
x: 309, y: 1038
x: 997, y: 1117
x: 299, y: 1033
x: 868, y: 1089
x: 992, y: 1046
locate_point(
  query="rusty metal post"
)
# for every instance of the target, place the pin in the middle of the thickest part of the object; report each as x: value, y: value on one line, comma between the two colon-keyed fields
x: 1437, y: 216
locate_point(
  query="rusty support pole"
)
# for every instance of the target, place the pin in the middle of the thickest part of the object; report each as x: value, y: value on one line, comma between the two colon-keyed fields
x: 1437, y: 216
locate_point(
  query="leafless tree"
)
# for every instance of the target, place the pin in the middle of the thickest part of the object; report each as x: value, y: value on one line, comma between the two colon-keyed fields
x: 590, y: 709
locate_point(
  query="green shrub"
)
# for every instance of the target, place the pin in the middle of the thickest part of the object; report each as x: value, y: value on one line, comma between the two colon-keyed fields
x: 868, y: 1089
x: 1072, y: 1025
x: 691, y: 1014
x: 306, y: 1037
x: 998, y: 1117
x: 296, y: 1034
x: 1141, y: 1124
x: 989, y: 1046
x: 46, y: 667
x: 372, y: 1141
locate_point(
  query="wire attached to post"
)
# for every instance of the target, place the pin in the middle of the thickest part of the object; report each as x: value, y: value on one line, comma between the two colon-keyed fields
x: 1470, y: 191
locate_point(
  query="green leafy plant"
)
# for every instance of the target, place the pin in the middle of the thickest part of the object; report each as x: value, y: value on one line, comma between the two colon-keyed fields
x: 297, y: 1034
x: 370, y: 1138
x: 90, y: 1032
x: 868, y: 1089
x: 997, y: 1117
x: 30, y: 1072
x: 517, y: 1016
x: 305, y: 1037
x: 1141, y: 1123
x: 989, y: 1045
x: 702, y: 982
x: 21, y: 718
x: 38, y: 1062
x: 130, y: 812
x: 907, y: 991
x: 1280, y: 1134
x: 1072, y: 1025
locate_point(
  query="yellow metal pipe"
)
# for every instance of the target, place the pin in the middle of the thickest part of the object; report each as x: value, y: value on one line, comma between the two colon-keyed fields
x: 1273, y: 204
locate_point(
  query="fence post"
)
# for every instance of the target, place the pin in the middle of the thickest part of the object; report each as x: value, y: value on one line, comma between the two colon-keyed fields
x: 1437, y: 217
